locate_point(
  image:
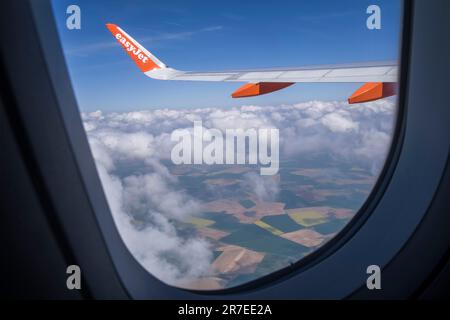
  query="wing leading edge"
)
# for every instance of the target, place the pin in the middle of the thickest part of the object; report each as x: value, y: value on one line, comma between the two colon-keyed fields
x: 380, y: 77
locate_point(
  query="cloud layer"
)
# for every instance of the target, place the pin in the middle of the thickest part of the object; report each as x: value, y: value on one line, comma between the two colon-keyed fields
x: 132, y: 150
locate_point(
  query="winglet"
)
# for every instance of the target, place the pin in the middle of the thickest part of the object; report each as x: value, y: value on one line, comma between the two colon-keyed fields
x: 143, y: 58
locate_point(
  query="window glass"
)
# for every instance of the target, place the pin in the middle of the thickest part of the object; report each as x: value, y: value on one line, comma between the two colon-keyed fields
x: 211, y: 191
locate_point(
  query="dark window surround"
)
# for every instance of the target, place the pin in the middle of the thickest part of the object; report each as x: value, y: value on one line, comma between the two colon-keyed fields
x: 380, y: 232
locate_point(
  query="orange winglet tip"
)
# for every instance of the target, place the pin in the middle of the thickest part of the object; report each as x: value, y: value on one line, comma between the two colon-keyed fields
x: 257, y: 89
x: 372, y: 91
x: 136, y: 52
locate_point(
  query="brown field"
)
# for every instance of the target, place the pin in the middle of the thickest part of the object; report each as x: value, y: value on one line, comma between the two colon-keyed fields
x: 305, y: 237
x: 224, y: 246
x: 211, y: 283
x: 221, y: 182
x: 310, y: 173
x: 212, y: 233
x: 311, y: 193
x: 180, y: 170
x: 323, y: 212
x: 345, y: 182
x: 232, y: 170
x: 343, y: 213
x: 236, y: 260
x: 189, y: 170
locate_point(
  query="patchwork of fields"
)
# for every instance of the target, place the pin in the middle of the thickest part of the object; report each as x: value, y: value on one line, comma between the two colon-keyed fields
x: 252, y: 237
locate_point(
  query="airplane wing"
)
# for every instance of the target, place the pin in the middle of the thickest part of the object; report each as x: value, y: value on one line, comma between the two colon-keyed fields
x: 379, y: 77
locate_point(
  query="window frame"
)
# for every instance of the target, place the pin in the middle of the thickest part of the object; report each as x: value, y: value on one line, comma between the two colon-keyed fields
x: 335, y: 271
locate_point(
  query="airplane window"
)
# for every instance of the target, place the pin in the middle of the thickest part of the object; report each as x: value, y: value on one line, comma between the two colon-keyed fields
x: 233, y: 139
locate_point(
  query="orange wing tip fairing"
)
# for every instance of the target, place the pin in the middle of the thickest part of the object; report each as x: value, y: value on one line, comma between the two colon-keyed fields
x: 257, y: 89
x: 372, y: 91
x: 143, y: 59
x: 380, y: 77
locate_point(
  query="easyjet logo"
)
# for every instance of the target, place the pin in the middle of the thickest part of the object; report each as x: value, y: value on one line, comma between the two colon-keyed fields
x: 131, y: 48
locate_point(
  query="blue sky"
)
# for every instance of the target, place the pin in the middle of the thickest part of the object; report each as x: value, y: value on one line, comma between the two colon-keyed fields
x: 202, y: 35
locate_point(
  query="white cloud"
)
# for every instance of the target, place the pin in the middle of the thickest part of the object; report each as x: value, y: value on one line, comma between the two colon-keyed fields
x: 266, y: 188
x: 143, y: 207
x: 131, y: 148
x: 338, y: 123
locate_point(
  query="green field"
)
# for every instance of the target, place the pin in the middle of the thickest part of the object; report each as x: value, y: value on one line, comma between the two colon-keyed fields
x: 282, y: 222
x: 224, y: 222
x: 258, y: 239
x: 247, y: 204
x: 331, y: 226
